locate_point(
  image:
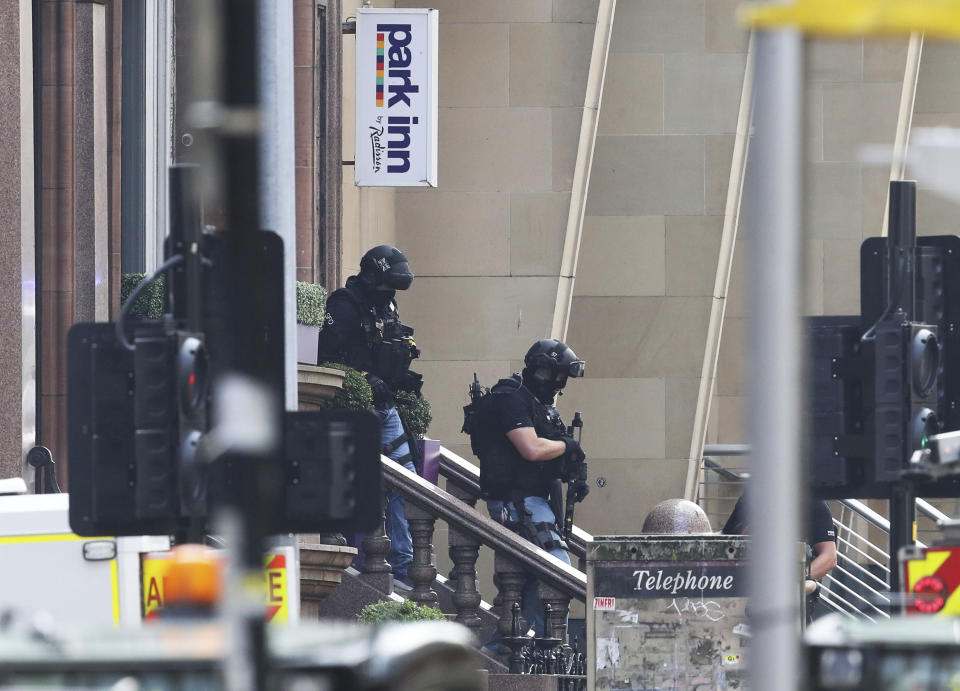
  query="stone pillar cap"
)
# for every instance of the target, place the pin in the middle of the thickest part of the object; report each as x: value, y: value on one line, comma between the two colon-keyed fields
x: 676, y: 517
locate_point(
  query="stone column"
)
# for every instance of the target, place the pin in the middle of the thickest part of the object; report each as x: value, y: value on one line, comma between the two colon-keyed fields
x: 510, y: 578
x: 17, y: 266
x: 464, y: 551
x: 556, y: 624
x: 421, y: 572
x: 375, y: 570
x: 73, y: 276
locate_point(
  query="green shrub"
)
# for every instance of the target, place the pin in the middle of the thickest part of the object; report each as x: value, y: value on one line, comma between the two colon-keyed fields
x: 311, y: 303
x: 150, y: 302
x: 415, y: 411
x: 355, y: 394
x: 389, y: 610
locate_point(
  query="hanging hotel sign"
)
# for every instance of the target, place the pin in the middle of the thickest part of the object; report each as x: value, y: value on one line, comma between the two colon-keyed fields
x: 396, y: 99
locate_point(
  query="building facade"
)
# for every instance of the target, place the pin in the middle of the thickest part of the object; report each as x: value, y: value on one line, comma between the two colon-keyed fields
x: 591, y: 159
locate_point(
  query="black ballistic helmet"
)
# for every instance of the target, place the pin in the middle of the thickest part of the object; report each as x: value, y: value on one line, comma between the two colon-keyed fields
x: 549, y: 359
x: 386, y: 264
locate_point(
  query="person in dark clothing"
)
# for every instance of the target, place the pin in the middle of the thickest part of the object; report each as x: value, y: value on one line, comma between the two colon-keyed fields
x: 523, y: 449
x: 362, y: 329
x: 820, y: 536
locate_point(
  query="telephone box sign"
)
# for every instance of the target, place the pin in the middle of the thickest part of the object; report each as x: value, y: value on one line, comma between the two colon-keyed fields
x: 396, y: 98
x: 668, y: 580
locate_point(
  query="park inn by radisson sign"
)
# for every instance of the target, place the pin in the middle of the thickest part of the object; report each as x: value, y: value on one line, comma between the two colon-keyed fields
x: 396, y: 98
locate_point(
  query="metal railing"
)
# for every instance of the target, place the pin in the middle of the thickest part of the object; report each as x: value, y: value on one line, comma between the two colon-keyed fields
x: 858, y: 586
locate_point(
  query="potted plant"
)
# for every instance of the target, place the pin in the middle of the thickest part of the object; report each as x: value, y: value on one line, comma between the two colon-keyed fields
x: 311, y: 308
x: 354, y: 394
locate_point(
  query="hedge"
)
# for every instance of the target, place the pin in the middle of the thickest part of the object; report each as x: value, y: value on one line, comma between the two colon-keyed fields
x: 311, y: 303
x: 150, y: 302
x: 390, y: 610
x: 311, y: 299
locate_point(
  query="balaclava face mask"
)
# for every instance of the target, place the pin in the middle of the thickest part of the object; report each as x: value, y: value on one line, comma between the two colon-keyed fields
x: 382, y: 298
x: 542, y: 390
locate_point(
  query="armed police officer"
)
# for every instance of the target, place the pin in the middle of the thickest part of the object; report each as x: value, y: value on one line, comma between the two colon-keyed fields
x: 362, y: 330
x: 524, y: 450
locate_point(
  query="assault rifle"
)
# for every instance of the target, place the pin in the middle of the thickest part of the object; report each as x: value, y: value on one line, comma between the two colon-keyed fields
x: 476, y: 393
x: 568, y: 513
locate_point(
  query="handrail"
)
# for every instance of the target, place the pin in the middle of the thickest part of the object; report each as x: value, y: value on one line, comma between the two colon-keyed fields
x: 865, y: 512
x: 930, y: 511
x: 923, y: 506
x: 456, y: 513
x: 466, y: 475
x: 726, y: 449
x: 725, y: 473
x: 872, y: 516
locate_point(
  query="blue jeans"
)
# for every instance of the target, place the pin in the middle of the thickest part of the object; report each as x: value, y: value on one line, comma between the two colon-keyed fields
x: 401, y: 546
x: 531, y: 606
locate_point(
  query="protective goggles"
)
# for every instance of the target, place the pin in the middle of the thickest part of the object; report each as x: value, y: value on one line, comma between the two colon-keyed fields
x: 576, y: 368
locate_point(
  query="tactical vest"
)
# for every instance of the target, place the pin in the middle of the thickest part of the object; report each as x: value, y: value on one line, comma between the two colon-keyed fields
x: 391, y: 355
x: 502, y: 469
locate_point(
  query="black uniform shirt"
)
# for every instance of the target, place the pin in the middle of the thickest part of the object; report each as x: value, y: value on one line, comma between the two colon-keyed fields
x: 514, y: 410
x: 342, y: 338
x: 820, y: 527
x: 819, y: 522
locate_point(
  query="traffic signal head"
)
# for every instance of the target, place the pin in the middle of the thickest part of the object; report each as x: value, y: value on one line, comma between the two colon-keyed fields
x: 924, y: 372
x: 155, y: 420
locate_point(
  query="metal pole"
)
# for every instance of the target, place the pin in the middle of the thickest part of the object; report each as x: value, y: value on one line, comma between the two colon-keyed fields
x: 901, y: 248
x: 774, y: 354
x: 277, y: 169
x: 901, y: 291
x: 902, y: 518
x: 277, y: 193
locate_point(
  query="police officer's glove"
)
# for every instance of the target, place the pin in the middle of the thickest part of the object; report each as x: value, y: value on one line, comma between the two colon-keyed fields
x: 382, y: 395
x: 579, y: 490
x: 573, y: 455
x: 411, y: 381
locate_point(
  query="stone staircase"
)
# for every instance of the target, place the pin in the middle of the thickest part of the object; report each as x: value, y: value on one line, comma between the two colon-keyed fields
x: 457, y: 595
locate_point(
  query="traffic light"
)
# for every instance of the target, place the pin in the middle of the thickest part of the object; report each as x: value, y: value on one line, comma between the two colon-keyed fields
x: 876, y: 398
x: 192, y: 389
x: 835, y: 410
x: 910, y: 307
x: 155, y: 420
x: 924, y: 362
x: 902, y: 371
x: 139, y: 402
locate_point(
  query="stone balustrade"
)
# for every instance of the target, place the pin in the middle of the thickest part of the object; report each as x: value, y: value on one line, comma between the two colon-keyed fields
x: 516, y: 559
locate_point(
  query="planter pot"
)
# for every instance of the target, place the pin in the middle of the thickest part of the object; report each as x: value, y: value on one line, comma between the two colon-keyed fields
x: 317, y: 385
x: 307, y: 338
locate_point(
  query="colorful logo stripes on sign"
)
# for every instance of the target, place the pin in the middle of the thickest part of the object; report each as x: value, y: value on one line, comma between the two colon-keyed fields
x: 379, y: 70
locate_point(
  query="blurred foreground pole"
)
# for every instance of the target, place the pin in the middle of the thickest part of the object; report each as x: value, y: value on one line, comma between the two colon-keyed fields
x: 775, y: 359
x: 277, y: 163
x: 248, y: 396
